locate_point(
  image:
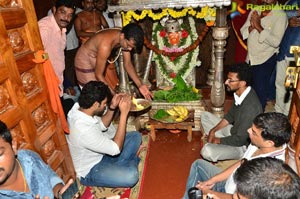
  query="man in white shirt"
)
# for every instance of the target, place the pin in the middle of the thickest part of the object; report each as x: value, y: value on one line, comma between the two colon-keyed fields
x: 103, y: 155
x: 269, y: 134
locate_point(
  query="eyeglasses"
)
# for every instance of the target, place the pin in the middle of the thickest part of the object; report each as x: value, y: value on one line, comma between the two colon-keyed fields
x: 231, y: 80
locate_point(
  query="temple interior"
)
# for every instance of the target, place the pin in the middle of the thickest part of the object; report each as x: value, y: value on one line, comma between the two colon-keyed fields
x: 196, y: 40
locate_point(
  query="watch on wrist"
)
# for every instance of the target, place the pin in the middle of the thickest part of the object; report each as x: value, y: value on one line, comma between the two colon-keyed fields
x: 111, y: 109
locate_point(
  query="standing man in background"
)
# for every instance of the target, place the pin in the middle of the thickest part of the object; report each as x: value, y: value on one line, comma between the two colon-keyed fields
x: 101, y: 6
x: 89, y: 21
x: 264, y: 30
x: 70, y: 82
x: 53, y: 33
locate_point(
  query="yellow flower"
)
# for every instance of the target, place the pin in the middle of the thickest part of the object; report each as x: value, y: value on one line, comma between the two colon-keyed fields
x: 195, y: 90
x: 205, y: 13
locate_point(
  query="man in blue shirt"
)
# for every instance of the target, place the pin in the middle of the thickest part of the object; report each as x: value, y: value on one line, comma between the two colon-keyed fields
x: 23, y: 174
x: 291, y: 38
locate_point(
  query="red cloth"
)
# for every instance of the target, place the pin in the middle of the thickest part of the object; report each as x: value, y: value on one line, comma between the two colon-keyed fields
x: 53, y: 87
x: 237, y: 23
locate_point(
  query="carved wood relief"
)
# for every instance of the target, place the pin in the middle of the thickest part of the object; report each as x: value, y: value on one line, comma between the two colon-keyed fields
x: 18, y: 40
x: 48, y: 148
x: 30, y: 83
x: 40, y: 117
x: 24, y: 99
x: 18, y: 136
x: 5, y: 102
x: 8, y: 3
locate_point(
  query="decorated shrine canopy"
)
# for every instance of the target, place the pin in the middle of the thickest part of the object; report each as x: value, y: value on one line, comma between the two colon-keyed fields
x: 126, y: 5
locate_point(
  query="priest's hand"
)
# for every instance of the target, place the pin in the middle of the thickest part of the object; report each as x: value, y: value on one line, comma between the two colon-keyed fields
x: 145, y: 92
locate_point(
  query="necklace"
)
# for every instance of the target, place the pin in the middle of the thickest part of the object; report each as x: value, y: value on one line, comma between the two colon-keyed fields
x: 116, y: 58
x: 120, y: 50
x: 24, y: 180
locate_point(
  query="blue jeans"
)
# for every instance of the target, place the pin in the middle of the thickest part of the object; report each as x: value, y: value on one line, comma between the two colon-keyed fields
x: 202, y: 170
x: 120, y: 170
x: 262, y: 83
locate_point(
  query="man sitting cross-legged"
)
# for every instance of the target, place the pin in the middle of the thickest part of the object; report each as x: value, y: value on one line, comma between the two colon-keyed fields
x: 228, y: 137
x: 269, y: 134
x: 103, y: 155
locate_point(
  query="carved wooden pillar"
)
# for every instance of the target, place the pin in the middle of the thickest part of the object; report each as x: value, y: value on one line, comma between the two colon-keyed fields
x: 211, y: 70
x: 220, y: 33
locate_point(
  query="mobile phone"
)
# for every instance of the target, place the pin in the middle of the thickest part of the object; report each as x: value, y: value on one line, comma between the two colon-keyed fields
x: 72, y: 192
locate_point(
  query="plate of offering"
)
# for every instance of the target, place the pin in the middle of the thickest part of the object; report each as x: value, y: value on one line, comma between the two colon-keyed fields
x: 176, y: 114
x: 139, y: 104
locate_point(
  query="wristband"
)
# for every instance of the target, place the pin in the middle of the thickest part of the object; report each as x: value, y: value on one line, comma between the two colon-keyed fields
x: 111, y: 109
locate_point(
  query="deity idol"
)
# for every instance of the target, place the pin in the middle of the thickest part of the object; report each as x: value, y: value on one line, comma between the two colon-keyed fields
x: 172, y: 36
x: 173, y: 31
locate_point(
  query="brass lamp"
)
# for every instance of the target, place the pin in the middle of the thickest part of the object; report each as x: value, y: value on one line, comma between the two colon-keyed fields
x: 292, y: 72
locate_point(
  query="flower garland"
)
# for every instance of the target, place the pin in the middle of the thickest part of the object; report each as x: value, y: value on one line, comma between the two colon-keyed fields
x: 176, y: 65
x: 176, y: 54
x: 206, y: 13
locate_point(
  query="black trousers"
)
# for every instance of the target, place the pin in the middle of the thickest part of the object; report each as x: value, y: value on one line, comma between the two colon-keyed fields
x: 67, y: 104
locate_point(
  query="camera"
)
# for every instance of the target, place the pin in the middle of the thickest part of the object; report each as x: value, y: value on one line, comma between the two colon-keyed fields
x: 195, y: 193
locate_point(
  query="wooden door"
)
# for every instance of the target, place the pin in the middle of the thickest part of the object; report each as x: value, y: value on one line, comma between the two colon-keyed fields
x: 24, y: 99
x: 294, y: 119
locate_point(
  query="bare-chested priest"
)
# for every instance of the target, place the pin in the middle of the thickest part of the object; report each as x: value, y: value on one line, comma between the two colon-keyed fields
x: 89, y: 21
x: 92, y: 57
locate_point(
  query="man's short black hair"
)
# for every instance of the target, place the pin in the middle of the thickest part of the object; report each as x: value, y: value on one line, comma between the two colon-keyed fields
x: 267, y: 178
x: 5, y: 133
x: 275, y: 127
x: 243, y: 71
x: 66, y: 3
x: 135, y: 32
x: 93, y: 91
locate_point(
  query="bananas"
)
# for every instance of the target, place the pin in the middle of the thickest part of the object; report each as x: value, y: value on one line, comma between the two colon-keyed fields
x: 178, y: 112
x: 195, y: 90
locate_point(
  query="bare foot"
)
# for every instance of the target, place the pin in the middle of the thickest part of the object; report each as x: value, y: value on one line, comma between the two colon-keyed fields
x: 142, y: 147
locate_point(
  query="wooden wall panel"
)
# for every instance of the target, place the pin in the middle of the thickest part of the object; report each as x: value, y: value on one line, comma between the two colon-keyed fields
x: 24, y: 99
